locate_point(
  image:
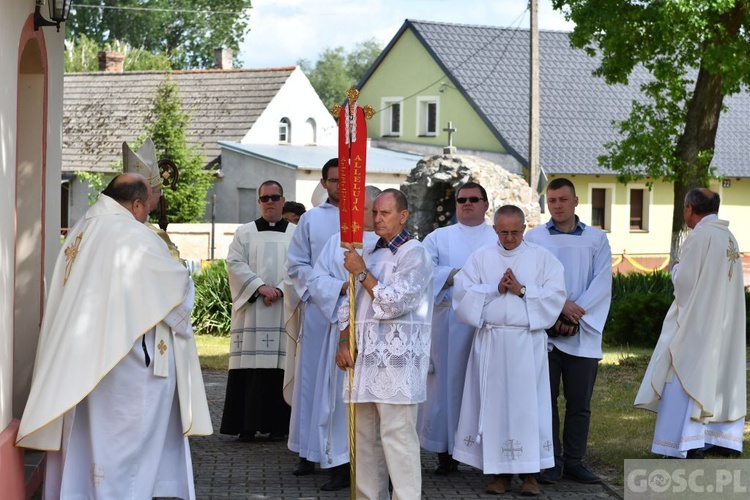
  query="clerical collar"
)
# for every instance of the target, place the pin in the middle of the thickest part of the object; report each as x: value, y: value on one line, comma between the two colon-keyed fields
x: 263, y: 225
x: 396, y: 242
x: 576, y: 231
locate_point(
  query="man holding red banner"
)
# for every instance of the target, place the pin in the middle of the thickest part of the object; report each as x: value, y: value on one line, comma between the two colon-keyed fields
x: 392, y: 324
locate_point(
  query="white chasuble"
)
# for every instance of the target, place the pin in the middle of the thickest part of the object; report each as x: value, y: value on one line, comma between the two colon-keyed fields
x: 702, y: 342
x: 449, y: 248
x: 505, y: 424
x: 258, y: 334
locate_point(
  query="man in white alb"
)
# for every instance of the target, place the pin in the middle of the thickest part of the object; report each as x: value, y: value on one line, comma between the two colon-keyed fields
x: 393, y: 312
x: 329, y: 440
x: 510, y: 293
x: 315, y: 227
x: 696, y: 378
x: 117, y: 384
x: 451, y: 341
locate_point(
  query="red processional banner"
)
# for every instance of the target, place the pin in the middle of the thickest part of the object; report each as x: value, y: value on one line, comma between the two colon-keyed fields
x: 352, y: 161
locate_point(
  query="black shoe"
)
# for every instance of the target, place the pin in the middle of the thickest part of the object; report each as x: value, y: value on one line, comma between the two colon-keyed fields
x: 446, y: 464
x: 720, y: 451
x: 277, y: 436
x: 550, y: 476
x: 580, y: 474
x: 696, y: 453
x: 338, y: 480
x: 246, y: 437
x: 304, y: 467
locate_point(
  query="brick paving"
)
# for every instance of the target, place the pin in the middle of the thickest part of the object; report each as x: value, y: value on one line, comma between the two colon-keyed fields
x: 226, y: 468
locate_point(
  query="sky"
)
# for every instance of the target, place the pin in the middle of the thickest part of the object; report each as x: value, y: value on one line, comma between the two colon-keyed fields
x: 284, y: 31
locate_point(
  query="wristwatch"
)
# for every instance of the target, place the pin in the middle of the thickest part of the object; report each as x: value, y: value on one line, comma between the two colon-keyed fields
x: 523, y: 292
x: 363, y: 275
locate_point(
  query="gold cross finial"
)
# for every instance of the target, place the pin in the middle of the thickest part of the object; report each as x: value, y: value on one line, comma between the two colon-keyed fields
x: 70, y: 256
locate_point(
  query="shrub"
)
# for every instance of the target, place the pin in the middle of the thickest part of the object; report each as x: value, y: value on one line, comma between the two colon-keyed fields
x: 639, y: 303
x: 636, y: 319
x: 212, y: 311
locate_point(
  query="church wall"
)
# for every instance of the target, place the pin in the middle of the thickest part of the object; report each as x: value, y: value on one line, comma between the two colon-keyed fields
x: 297, y: 101
x: 407, y: 70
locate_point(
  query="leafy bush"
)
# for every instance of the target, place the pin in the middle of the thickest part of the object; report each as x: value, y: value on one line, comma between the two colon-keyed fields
x: 656, y: 282
x: 636, y: 319
x: 213, y: 301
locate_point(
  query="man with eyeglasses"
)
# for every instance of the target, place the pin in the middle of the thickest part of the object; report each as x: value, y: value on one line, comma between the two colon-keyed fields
x: 315, y: 228
x: 449, y: 248
x: 509, y: 293
x: 254, y: 401
x: 576, y: 339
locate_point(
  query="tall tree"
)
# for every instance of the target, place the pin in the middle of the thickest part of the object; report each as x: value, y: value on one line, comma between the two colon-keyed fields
x: 82, y: 55
x: 697, y: 51
x: 166, y: 124
x: 188, y: 31
x: 336, y: 70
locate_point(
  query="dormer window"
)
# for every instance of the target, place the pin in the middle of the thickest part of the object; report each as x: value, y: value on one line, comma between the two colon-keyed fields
x: 285, y: 131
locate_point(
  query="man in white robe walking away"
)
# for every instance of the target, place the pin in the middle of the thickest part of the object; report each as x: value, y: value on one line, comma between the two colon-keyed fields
x: 329, y: 441
x: 510, y: 293
x: 575, y: 343
x: 117, y: 385
x: 256, y: 265
x: 696, y: 378
x: 449, y: 248
x: 393, y: 313
x: 315, y: 228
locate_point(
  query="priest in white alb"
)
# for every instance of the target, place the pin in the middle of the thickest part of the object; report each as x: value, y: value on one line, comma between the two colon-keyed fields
x: 696, y: 378
x: 329, y: 439
x: 117, y: 386
x: 449, y: 248
x: 510, y: 292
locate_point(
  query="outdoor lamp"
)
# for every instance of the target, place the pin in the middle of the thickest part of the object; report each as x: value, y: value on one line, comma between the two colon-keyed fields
x: 58, y: 12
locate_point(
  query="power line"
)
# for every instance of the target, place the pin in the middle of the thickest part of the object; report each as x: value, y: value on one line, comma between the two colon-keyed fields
x: 158, y: 9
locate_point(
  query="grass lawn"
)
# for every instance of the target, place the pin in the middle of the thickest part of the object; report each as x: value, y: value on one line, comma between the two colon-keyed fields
x: 618, y: 431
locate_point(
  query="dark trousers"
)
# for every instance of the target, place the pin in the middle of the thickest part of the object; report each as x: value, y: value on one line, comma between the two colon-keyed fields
x: 578, y: 376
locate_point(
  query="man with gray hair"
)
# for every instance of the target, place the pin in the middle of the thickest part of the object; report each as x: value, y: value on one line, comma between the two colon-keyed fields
x: 510, y: 292
x: 695, y: 381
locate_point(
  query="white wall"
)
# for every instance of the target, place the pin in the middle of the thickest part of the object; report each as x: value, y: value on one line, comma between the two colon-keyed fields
x: 298, y: 101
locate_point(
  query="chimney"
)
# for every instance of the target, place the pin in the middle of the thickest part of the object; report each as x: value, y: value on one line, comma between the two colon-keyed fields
x: 223, y: 58
x: 111, y: 62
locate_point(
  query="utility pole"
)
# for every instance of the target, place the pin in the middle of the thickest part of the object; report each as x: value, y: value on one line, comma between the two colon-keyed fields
x: 534, y: 96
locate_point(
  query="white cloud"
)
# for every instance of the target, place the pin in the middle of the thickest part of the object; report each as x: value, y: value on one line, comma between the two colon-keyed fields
x: 284, y: 31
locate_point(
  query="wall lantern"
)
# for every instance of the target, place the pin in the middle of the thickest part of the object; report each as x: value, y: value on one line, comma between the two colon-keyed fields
x: 58, y: 12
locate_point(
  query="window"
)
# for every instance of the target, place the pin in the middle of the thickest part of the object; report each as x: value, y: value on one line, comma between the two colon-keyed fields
x: 391, y: 124
x: 639, y: 209
x: 428, y: 116
x: 310, y: 132
x: 601, y: 207
x: 285, y: 131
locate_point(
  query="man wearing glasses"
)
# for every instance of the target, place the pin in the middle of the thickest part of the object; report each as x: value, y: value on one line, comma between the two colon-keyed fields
x: 576, y: 339
x: 315, y: 228
x: 510, y: 293
x: 254, y: 400
x: 449, y: 248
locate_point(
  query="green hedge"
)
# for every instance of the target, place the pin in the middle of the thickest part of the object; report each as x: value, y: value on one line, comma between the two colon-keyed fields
x: 212, y: 312
x: 639, y: 303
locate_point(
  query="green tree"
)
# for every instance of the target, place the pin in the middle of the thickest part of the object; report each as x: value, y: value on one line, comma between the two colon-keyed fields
x: 166, y: 124
x: 336, y: 70
x: 82, y: 55
x: 697, y: 52
x: 187, y: 31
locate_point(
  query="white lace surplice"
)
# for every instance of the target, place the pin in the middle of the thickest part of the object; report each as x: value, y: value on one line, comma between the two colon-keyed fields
x: 393, y: 329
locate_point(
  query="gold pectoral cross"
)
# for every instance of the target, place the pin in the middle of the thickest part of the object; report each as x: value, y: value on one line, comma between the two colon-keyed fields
x: 70, y: 256
x: 733, y: 255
